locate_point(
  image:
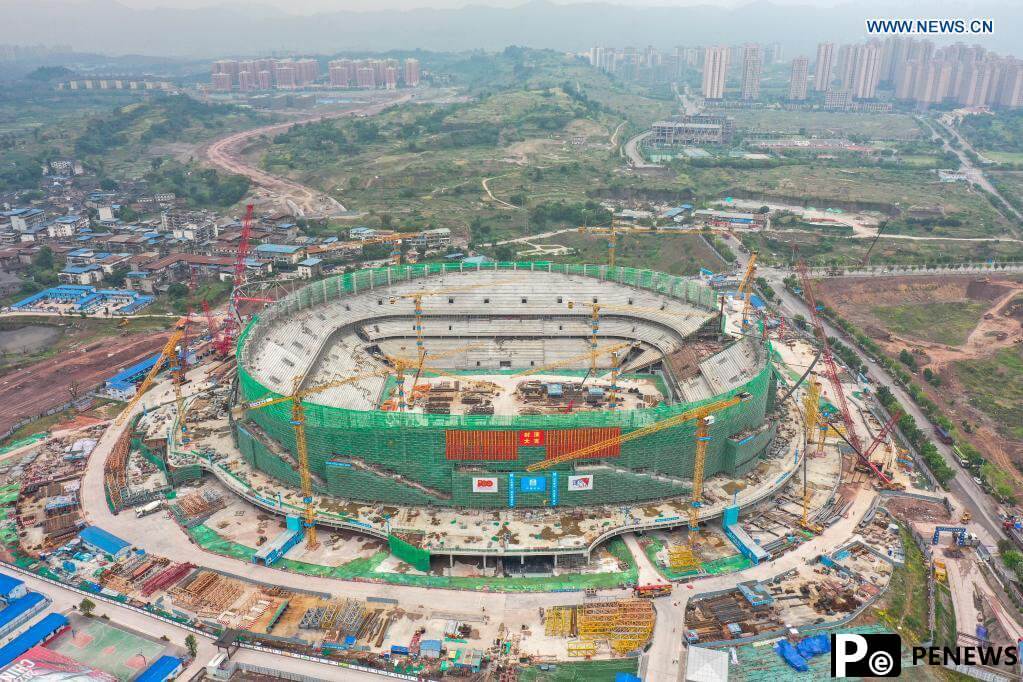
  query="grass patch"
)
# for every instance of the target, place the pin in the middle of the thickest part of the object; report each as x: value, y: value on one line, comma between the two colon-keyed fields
x: 944, y: 617
x: 830, y: 123
x: 995, y: 387
x: 674, y: 254
x: 904, y: 606
x: 948, y: 322
x: 580, y: 671
x: 1002, y: 157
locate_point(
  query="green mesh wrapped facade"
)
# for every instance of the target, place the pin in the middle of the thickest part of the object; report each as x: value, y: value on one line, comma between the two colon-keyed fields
x: 400, y: 458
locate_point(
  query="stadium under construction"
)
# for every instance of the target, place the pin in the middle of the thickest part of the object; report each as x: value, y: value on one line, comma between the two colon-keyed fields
x: 510, y: 385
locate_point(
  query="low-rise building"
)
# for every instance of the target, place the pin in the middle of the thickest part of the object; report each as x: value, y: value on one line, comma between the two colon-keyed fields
x: 430, y: 239
x: 281, y: 253
x: 310, y: 268
x: 81, y: 274
x: 693, y: 129
x: 24, y: 219
x: 714, y: 218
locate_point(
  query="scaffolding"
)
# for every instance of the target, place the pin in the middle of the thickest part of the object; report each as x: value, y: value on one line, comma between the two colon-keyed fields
x: 560, y: 621
x: 682, y: 558
x: 582, y: 649
x: 626, y: 624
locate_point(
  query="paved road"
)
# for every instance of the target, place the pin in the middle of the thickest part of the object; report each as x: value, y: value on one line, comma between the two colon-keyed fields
x: 636, y: 159
x: 975, y: 174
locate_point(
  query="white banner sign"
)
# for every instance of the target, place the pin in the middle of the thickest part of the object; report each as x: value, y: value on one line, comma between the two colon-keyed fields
x: 580, y: 482
x: 484, y: 485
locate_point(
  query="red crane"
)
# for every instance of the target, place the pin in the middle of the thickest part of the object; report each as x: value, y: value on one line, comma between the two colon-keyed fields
x: 229, y: 332
x: 211, y: 324
x: 883, y: 433
x: 832, y: 371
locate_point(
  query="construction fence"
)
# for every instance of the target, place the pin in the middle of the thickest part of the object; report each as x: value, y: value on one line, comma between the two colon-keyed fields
x: 401, y: 457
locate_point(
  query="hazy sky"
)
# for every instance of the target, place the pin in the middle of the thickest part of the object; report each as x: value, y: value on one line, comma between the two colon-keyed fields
x: 313, y: 6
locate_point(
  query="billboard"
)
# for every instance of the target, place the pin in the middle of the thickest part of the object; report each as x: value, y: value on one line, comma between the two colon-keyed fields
x: 484, y: 485
x: 531, y: 438
x: 46, y: 665
x: 580, y: 482
x: 533, y: 484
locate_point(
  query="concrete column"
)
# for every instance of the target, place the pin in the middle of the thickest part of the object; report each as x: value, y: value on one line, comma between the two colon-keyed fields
x: 484, y: 562
x: 451, y: 561
x: 555, y: 561
x: 522, y: 559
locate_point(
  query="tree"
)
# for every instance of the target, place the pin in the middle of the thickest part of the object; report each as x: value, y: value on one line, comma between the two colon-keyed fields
x: 44, y: 259
x: 192, y: 645
x: 87, y: 606
x: 177, y: 290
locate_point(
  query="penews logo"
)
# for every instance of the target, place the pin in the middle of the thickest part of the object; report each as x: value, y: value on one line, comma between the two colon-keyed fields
x: 866, y: 655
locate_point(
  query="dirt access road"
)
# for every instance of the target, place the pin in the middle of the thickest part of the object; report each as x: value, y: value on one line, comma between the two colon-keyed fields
x: 290, y: 196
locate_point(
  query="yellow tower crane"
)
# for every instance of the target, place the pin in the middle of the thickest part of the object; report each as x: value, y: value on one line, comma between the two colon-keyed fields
x: 811, y: 406
x: 745, y: 290
x: 689, y: 415
x: 169, y: 351
x: 296, y: 397
x: 401, y: 365
x: 417, y: 300
x: 595, y: 311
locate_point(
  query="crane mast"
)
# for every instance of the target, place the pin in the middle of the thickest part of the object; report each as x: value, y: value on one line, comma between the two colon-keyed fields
x: 832, y: 371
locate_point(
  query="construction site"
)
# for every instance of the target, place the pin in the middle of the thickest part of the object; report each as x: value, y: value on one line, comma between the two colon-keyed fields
x: 440, y: 426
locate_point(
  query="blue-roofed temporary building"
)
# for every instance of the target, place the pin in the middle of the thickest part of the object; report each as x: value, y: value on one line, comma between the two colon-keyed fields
x: 99, y: 540
x: 475, y: 261
x: 122, y: 384
x: 11, y: 588
x: 278, y: 248
x: 49, y: 626
x: 163, y: 668
x: 20, y: 611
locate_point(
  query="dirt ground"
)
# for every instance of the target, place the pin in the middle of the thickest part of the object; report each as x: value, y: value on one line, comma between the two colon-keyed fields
x: 31, y: 391
x: 1001, y: 326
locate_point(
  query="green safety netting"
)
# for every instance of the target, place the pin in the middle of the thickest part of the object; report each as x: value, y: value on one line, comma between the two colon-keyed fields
x: 400, y: 457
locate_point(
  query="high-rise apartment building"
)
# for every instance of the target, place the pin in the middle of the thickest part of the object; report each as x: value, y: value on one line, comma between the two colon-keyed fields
x: 865, y: 70
x: 825, y: 66
x: 752, y: 65
x: 365, y: 77
x: 412, y: 73
x: 338, y: 74
x: 715, y: 68
x: 285, y: 77
x: 221, y: 82
x: 798, y: 78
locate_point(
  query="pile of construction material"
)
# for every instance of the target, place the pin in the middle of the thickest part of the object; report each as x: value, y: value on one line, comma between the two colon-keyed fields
x: 208, y: 593
x: 729, y: 616
x: 128, y: 576
x: 195, y: 508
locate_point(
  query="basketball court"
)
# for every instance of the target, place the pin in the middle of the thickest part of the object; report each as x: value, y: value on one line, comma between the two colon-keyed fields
x: 101, y: 645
